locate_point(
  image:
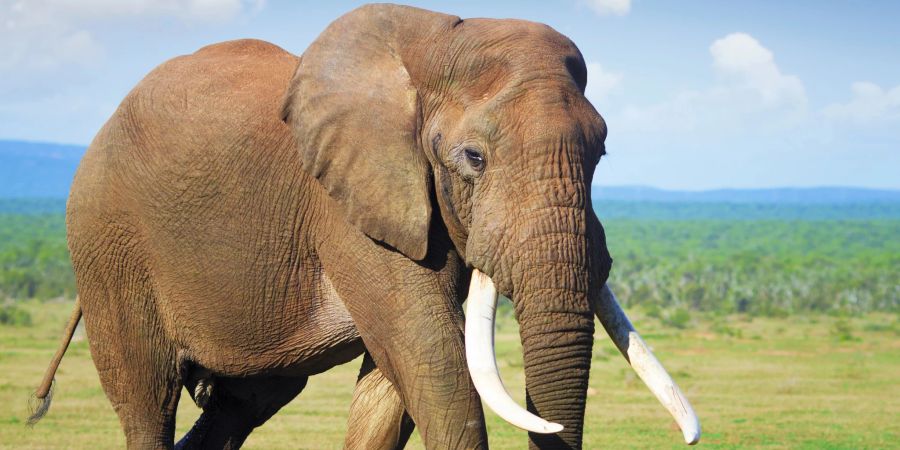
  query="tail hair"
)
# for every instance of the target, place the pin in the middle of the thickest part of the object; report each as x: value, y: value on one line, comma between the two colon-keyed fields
x: 38, y: 406
x: 39, y: 403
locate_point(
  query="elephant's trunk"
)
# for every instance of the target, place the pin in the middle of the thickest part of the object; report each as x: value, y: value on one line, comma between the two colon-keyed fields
x: 557, y: 364
x: 557, y: 332
x: 480, y: 315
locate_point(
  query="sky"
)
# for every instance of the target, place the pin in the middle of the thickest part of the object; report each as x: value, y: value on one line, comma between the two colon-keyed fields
x: 696, y: 95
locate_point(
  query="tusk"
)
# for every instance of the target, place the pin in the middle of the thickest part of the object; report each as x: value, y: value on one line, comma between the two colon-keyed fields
x: 646, y: 365
x: 480, y: 312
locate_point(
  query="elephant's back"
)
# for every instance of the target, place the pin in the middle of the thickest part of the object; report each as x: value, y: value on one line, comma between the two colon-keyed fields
x: 217, y: 88
x: 191, y: 114
x: 195, y: 181
x: 226, y: 92
x: 188, y: 133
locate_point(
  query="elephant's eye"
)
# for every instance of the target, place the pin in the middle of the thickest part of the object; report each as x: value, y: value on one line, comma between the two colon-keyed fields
x: 475, y: 158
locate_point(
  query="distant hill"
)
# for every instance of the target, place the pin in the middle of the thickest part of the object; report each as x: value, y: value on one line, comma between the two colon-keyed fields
x: 36, y: 169
x: 816, y: 195
x: 44, y: 170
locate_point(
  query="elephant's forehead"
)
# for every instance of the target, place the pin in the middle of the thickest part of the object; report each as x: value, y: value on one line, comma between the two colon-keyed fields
x: 498, y: 36
x: 486, y: 51
x: 546, y: 114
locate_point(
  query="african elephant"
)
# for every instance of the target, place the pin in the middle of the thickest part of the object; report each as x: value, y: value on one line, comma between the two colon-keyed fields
x: 247, y: 219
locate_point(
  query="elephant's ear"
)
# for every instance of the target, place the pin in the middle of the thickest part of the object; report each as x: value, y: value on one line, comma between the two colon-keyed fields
x: 354, y: 111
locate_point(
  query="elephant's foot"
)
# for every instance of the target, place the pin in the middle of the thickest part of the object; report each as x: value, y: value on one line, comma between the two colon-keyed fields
x: 196, y: 437
x: 236, y: 406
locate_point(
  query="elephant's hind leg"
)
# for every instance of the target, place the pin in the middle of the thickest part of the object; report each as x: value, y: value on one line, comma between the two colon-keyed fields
x: 377, y: 419
x: 236, y: 407
x: 135, y: 361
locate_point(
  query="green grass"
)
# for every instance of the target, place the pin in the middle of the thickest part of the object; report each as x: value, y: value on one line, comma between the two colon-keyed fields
x: 814, y: 382
x: 780, y: 322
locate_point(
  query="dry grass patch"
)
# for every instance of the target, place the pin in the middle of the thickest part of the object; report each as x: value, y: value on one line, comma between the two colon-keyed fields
x: 773, y: 383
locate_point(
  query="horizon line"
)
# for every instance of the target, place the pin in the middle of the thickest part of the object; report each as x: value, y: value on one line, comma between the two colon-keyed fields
x: 600, y: 185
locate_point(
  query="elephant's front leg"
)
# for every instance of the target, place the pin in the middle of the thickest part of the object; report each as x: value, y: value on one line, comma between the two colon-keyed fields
x: 410, y: 319
x: 378, y: 419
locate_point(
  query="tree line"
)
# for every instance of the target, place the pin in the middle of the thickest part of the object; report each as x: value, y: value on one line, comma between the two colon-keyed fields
x: 759, y: 267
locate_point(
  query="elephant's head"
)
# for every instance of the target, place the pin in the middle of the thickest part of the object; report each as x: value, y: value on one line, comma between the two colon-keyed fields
x: 407, y: 117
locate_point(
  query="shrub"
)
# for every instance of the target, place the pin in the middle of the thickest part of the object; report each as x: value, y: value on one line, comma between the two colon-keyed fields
x: 678, y: 318
x: 13, y: 315
x: 842, y: 330
x: 722, y: 328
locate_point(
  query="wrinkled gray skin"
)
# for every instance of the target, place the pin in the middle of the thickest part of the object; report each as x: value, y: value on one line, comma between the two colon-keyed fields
x: 247, y: 219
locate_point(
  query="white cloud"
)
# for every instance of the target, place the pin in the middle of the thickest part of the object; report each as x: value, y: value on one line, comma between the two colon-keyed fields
x: 750, y: 93
x: 743, y: 60
x: 43, y: 35
x: 610, y: 7
x: 871, y: 104
x: 54, y: 53
x: 600, y: 83
x: 188, y: 10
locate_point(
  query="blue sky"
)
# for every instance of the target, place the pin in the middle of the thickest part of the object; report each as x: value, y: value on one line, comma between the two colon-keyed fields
x: 697, y: 95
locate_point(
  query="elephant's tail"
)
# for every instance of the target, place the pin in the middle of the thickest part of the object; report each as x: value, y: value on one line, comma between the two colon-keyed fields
x: 44, y: 393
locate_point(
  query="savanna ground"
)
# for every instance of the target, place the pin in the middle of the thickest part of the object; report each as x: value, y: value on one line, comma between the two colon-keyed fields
x: 781, y: 323
x: 814, y: 382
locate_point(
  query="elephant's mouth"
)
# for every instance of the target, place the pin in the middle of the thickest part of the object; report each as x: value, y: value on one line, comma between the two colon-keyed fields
x: 482, y: 363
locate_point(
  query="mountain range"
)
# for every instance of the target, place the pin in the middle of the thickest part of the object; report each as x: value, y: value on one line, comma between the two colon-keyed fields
x: 811, y: 195
x: 37, y: 169
x: 45, y: 170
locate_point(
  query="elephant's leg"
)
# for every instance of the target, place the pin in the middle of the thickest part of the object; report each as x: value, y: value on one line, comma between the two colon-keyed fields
x: 419, y: 348
x: 411, y: 322
x: 378, y: 419
x: 237, y: 406
x: 135, y: 362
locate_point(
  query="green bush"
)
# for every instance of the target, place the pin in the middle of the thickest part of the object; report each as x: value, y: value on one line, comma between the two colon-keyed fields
x: 842, y: 330
x: 670, y: 260
x: 34, y: 257
x: 653, y: 310
x: 678, y: 318
x: 770, y: 268
x: 722, y: 328
x: 13, y: 315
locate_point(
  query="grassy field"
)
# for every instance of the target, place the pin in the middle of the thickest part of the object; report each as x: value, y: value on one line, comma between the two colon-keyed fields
x: 780, y: 322
x: 816, y: 382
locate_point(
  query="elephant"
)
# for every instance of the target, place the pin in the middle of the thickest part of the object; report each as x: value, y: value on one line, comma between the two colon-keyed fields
x: 248, y: 218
